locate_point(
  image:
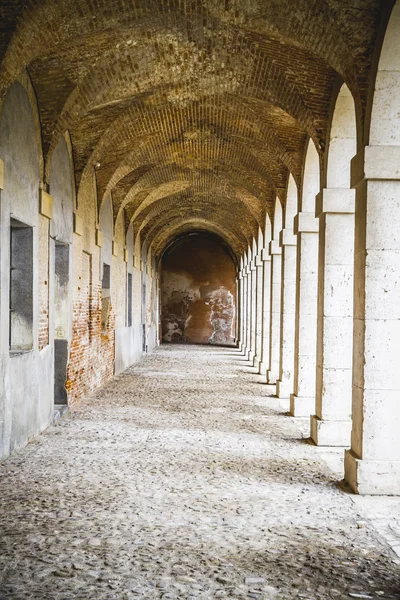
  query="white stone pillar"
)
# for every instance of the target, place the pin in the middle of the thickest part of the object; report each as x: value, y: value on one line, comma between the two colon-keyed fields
x: 284, y: 386
x: 302, y: 401
x: 244, y: 308
x: 266, y: 311
x: 253, y: 311
x: 331, y: 424
x: 275, y: 323
x: 248, y: 306
x: 259, y: 310
x: 238, y: 307
x: 372, y: 466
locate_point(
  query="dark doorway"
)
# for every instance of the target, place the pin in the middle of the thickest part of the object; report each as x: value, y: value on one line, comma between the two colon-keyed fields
x: 61, y: 320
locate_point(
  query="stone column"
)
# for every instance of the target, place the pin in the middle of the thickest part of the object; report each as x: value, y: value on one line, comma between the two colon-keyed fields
x: 275, y: 323
x: 259, y: 310
x: 372, y: 466
x: 248, y: 306
x: 284, y: 386
x: 244, y: 309
x: 238, y: 318
x: 302, y: 401
x: 331, y: 424
x: 253, y: 311
x: 266, y: 311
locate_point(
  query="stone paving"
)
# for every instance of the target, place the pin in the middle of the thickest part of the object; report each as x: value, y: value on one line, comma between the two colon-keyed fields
x: 183, y: 478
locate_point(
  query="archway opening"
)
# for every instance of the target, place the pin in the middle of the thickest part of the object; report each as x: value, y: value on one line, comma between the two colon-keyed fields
x: 198, y: 291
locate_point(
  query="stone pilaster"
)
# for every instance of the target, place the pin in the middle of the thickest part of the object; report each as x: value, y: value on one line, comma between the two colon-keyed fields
x: 302, y: 401
x: 244, y: 310
x: 259, y: 310
x: 331, y: 424
x: 275, y: 252
x: 266, y: 311
x: 372, y: 466
x: 253, y: 311
x: 288, y: 242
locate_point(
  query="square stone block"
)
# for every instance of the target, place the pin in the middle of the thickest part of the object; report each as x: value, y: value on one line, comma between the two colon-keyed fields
x: 302, y: 406
x: 372, y: 477
x: 330, y: 433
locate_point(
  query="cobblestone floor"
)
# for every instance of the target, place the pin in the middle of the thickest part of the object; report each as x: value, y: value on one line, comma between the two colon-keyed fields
x: 182, y: 478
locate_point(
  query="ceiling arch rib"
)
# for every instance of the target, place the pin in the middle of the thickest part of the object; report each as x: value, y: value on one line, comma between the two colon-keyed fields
x: 234, y: 214
x: 143, y: 129
x: 182, y: 227
x: 198, y: 22
x: 229, y: 180
x: 174, y: 84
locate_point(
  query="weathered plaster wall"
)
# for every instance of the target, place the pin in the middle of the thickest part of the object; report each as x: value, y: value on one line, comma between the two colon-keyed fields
x: 26, y: 393
x: 198, y: 292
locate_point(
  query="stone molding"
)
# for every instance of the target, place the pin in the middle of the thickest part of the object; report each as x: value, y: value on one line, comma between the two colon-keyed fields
x: 305, y: 222
x: 375, y: 162
x: 335, y: 200
x: 265, y: 254
x: 274, y: 247
x: 287, y: 238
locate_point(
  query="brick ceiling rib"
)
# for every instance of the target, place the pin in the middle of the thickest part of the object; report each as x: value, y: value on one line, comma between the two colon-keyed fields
x: 199, y: 109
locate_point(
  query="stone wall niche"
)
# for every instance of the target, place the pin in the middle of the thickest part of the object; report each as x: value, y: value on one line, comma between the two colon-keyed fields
x: 21, y: 287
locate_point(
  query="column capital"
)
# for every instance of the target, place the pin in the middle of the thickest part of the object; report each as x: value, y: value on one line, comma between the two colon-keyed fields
x: 335, y: 200
x: 375, y: 162
x: 306, y: 222
x: 258, y: 260
x: 253, y: 265
x: 265, y: 255
x: 274, y: 247
x: 287, y: 238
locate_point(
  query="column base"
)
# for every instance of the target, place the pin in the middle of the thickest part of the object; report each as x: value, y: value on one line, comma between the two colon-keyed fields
x: 263, y: 368
x: 372, y: 477
x: 302, y: 406
x: 284, y: 388
x: 257, y: 363
x: 272, y: 377
x: 330, y: 433
x: 250, y: 356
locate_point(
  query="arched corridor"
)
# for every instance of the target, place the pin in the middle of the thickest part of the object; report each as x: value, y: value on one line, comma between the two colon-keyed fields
x: 183, y: 479
x: 199, y: 299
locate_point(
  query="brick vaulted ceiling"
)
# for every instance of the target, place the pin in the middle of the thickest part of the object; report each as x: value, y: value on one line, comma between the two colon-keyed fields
x: 196, y: 110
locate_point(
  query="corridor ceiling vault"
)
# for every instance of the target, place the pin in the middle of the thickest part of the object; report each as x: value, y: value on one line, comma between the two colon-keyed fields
x: 190, y: 113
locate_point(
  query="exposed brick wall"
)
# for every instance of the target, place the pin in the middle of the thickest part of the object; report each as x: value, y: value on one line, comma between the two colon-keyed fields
x: 91, y: 360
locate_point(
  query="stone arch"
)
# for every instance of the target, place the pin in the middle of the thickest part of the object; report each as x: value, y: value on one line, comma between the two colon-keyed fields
x: 291, y: 205
x: 61, y: 188
x: 311, y: 179
x: 29, y: 376
x: 385, y: 112
x: 342, y: 141
x: 277, y: 219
